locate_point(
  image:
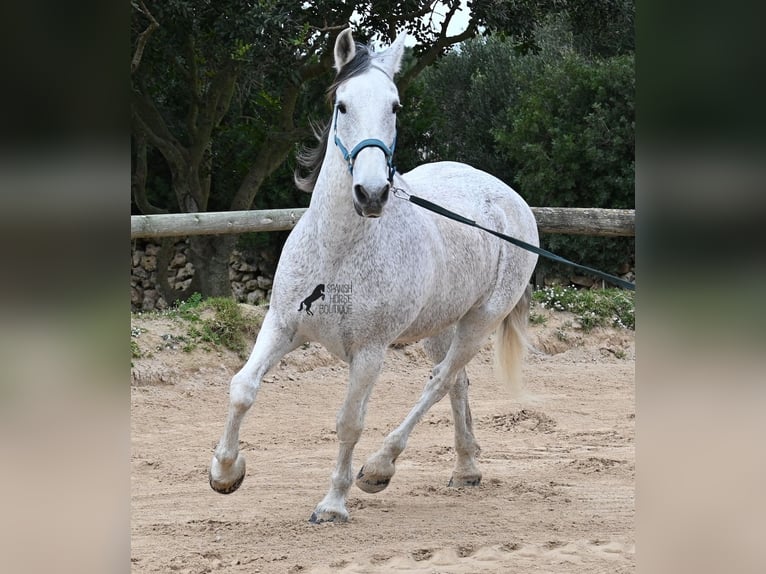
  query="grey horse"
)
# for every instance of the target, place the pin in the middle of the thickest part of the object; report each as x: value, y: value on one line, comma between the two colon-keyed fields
x: 393, y: 273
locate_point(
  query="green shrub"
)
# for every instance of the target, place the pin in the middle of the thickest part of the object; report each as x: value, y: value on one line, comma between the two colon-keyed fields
x: 225, y: 326
x: 570, y: 137
x: 592, y: 307
x: 557, y: 125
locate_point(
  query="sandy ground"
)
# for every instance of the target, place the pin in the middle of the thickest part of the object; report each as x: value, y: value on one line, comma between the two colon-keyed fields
x: 557, y: 493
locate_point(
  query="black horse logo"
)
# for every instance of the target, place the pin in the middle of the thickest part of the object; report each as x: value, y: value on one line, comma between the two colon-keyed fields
x: 315, y: 294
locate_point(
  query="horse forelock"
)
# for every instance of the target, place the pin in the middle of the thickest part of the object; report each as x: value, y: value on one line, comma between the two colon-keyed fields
x: 359, y: 64
x: 310, y: 159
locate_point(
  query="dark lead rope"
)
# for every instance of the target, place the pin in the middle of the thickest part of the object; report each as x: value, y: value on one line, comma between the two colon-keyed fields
x: 424, y: 203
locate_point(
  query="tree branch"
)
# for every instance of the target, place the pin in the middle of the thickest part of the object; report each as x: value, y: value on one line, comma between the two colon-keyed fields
x: 192, y: 75
x: 448, y: 17
x: 215, y: 106
x: 281, y: 137
x: 156, y: 130
x: 409, y: 17
x: 138, y: 178
x: 271, y: 155
x: 143, y: 38
x: 148, y: 119
x: 273, y: 150
x: 328, y: 28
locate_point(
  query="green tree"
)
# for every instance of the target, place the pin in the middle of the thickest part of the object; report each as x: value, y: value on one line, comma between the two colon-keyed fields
x: 191, y: 60
x: 556, y: 122
x: 570, y: 138
x: 602, y: 28
x: 570, y: 134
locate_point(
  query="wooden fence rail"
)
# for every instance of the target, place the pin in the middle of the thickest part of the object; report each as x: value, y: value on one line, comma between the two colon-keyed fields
x: 574, y: 220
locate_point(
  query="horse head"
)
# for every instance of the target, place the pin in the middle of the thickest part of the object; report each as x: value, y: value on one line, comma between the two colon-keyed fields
x: 364, y: 119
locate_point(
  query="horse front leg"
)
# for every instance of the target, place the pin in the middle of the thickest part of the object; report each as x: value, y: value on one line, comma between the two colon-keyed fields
x: 363, y: 372
x: 227, y: 469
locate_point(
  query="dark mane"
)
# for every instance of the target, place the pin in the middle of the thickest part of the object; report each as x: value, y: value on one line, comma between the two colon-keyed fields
x: 310, y: 159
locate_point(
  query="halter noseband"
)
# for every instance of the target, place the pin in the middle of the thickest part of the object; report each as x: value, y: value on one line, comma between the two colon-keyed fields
x: 350, y: 156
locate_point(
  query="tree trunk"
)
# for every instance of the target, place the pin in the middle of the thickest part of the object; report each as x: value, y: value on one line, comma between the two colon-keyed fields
x: 210, y: 257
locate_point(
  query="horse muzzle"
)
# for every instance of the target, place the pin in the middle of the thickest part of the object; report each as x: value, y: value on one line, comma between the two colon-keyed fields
x: 370, y: 203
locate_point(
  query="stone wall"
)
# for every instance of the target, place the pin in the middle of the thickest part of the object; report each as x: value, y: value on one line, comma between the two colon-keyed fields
x: 251, y: 274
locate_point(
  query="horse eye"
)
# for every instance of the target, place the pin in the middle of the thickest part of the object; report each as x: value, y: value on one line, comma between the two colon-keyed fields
x: 342, y: 107
x: 397, y: 106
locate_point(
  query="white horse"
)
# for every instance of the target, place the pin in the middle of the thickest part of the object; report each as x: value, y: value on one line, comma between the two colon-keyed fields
x: 389, y: 272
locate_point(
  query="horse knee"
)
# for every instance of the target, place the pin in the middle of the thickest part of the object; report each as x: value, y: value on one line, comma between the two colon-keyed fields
x: 242, y: 393
x: 348, y: 429
x: 439, y: 383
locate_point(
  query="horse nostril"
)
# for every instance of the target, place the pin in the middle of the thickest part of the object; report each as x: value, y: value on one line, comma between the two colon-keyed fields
x: 361, y: 194
x: 384, y: 195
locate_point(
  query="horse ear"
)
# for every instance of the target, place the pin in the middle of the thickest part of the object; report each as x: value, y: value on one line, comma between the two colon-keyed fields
x: 390, y: 60
x: 345, y: 49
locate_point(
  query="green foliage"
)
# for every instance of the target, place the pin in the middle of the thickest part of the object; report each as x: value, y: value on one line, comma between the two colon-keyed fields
x: 459, y: 100
x: 217, y: 321
x: 570, y: 134
x: 186, y: 70
x: 593, y: 307
x: 269, y: 48
x: 537, y: 318
x: 225, y: 90
x: 135, y: 350
x: 190, y: 308
x: 555, y: 124
x: 570, y: 137
x: 603, y: 27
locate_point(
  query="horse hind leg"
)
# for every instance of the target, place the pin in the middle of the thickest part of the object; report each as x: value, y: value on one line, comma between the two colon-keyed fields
x: 227, y: 468
x: 470, y: 335
x: 466, y: 472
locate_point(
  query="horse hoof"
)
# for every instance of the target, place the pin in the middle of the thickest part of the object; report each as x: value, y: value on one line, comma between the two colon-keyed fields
x: 319, y: 517
x: 370, y: 483
x: 460, y: 481
x: 223, y: 488
x: 222, y: 484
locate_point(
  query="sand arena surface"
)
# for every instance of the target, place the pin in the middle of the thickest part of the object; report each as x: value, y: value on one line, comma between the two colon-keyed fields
x: 557, y: 493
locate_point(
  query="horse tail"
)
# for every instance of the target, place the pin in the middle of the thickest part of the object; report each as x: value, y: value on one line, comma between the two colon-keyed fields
x: 511, y: 344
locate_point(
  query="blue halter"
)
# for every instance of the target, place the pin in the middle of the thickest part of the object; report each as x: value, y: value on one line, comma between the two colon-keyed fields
x: 350, y: 156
